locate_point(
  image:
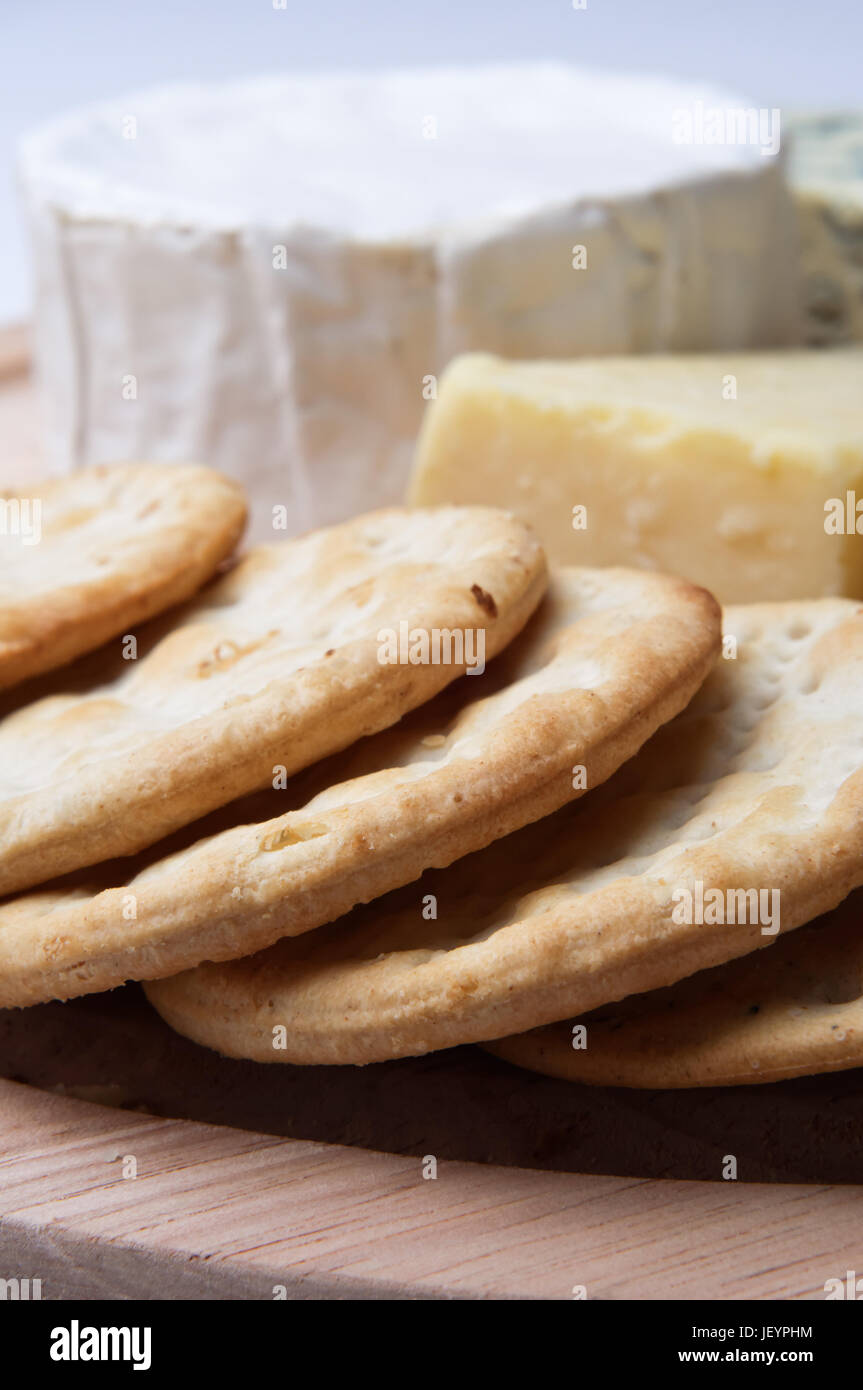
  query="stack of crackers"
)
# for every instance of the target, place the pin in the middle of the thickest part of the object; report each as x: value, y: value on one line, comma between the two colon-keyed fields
x: 392, y: 787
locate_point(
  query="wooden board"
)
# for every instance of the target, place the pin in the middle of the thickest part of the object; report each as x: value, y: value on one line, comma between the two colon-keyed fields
x: 20, y: 451
x: 226, y: 1210
x: 216, y: 1213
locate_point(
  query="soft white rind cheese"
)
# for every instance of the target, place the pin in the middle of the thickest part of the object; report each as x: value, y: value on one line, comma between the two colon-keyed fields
x: 268, y: 276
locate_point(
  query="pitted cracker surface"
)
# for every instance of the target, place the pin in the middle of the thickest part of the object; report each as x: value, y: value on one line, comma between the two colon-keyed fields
x: 275, y: 664
x: 608, y: 657
x: 86, y: 557
x: 757, y: 784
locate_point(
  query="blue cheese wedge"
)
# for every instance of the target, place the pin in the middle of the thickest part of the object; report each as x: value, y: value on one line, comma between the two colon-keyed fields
x: 827, y: 171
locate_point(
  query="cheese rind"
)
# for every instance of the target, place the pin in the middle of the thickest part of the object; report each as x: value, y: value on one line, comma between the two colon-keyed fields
x: 715, y: 467
x: 265, y: 274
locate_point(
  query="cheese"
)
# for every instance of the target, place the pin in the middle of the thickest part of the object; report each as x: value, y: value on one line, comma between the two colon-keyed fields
x: 827, y: 172
x: 743, y: 472
x: 269, y: 275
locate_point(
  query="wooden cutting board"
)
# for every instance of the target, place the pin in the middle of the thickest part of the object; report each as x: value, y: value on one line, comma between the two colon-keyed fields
x: 317, y: 1179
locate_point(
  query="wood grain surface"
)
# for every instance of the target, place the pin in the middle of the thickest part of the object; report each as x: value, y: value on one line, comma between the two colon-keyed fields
x: 218, y: 1213
x: 229, y: 1212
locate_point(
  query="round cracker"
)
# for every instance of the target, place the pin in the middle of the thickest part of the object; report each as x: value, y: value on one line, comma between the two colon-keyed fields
x: 794, y: 1009
x: 86, y: 557
x: 609, y: 656
x: 759, y: 783
x: 277, y: 664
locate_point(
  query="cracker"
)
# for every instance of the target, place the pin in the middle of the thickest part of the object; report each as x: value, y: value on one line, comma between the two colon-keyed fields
x: 795, y: 1009
x: 609, y: 656
x: 275, y: 665
x: 86, y: 557
x: 759, y: 783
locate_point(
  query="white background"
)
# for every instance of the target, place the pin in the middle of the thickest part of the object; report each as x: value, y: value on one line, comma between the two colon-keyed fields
x: 60, y: 53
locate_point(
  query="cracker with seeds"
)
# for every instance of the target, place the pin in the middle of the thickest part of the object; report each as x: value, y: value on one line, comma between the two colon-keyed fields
x: 276, y: 665
x: 793, y: 1010
x: 89, y: 556
x: 757, y: 785
x: 610, y: 655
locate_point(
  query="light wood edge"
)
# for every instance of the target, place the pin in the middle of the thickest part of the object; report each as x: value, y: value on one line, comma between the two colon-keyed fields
x: 221, y: 1213
x: 14, y: 350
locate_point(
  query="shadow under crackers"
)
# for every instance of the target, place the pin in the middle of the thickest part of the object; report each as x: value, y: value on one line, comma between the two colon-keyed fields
x: 459, y: 1104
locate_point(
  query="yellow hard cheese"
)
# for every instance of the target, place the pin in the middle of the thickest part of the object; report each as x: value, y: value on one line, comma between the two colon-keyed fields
x: 743, y: 473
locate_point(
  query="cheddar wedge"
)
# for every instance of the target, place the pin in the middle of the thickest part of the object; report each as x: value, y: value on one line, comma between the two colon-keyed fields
x: 741, y: 472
